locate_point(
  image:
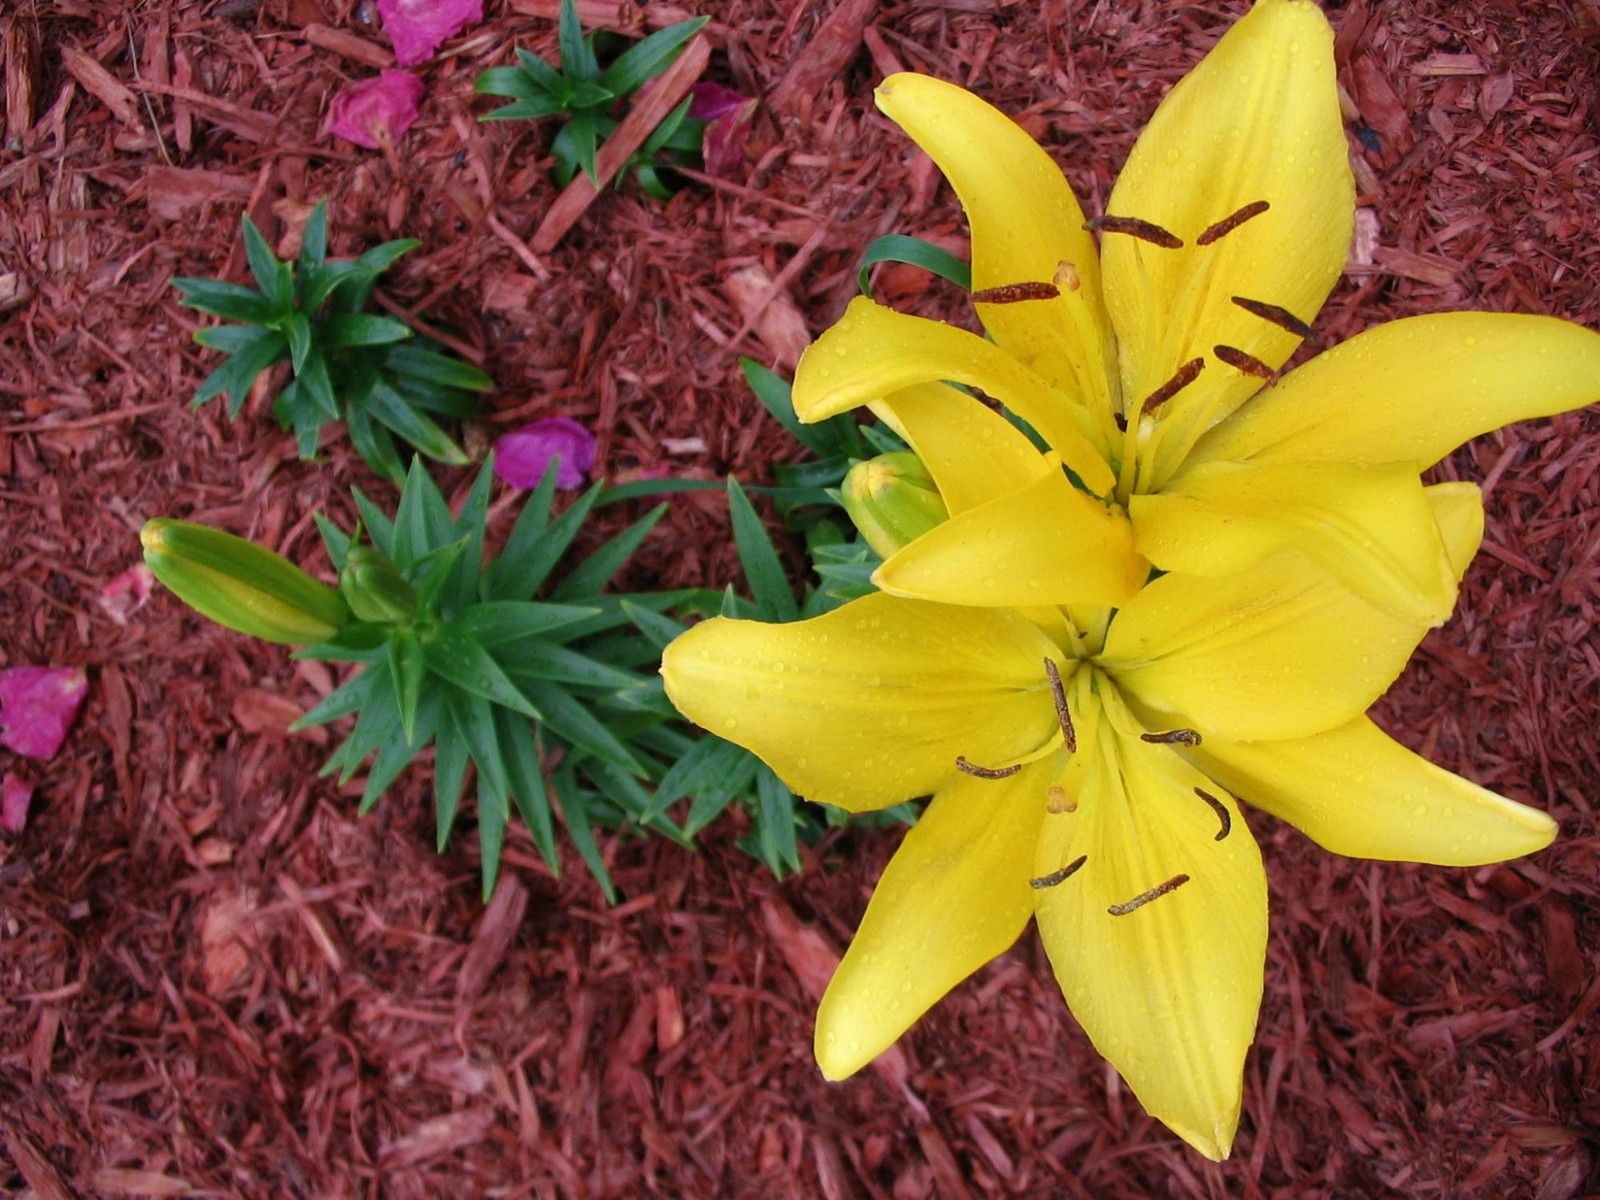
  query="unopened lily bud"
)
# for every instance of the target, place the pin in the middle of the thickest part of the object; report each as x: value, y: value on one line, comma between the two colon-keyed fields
x: 241, y: 585
x: 375, y: 589
x: 892, y: 500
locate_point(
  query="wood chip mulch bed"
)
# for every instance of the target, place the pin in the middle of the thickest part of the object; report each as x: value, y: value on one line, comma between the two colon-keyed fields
x: 216, y: 981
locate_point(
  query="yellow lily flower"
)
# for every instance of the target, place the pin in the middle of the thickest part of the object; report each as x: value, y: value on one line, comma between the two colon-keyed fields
x: 1150, y: 366
x: 1083, y: 764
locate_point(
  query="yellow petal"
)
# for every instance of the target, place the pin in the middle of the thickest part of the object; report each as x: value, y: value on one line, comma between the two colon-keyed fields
x: 1168, y: 992
x: 1458, y: 507
x: 1372, y: 528
x: 1257, y: 120
x: 1026, y: 224
x: 1044, y: 543
x: 870, y: 704
x: 1277, y: 651
x: 954, y: 896
x: 874, y: 351
x: 973, y: 453
x: 1356, y: 791
x: 1413, y: 390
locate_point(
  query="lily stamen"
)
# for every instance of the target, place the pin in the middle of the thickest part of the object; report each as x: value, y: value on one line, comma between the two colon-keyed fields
x: 1221, y: 809
x: 968, y: 768
x: 1063, y: 715
x: 1059, y: 877
x: 1143, y: 898
x: 1229, y: 223
x: 1014, y: 293
x: 1182, y: 378
x: 1249, y: 364
x: 1145, y: 231
x: 1276, y: 314
x: 1172, y: 737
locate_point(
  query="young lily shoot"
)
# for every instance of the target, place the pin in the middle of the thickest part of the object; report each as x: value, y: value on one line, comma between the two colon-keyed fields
x: 371, y: 372
x: 455, y: 654
x: 1187, y: 592
x: 588, y: 94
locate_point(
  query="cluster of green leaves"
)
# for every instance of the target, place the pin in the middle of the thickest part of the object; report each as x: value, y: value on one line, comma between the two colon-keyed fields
x: 369, y: 371
x: 588, y: 95
x: 713, y: 773
x: 551, y: 699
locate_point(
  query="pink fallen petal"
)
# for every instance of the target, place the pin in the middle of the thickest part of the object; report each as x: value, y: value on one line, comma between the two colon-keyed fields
x: 38, y: 706
x: 375, y: 112
x: 521, y: 458
x: 15, y: 797
x: 729, y: 116
x: 126, y: 594
x: 416, y: 27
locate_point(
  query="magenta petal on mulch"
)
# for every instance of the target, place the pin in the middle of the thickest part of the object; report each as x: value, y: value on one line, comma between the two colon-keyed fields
x: 375, y: 112
x: 38, y: 706
x: 728, y: 116
x: 15, y: 797
x: 416, y: 27
x: 521, y: 458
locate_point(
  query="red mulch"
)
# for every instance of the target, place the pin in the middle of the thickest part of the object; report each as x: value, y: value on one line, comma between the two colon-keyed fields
x: 215, y: 980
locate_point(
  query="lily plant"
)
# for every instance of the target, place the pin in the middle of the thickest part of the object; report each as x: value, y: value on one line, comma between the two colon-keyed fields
x: 371, y: 372
x: 1192, y: 592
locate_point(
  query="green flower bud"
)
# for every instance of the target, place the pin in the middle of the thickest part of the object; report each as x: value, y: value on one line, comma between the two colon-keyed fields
x: 892, y: 500
x: 375, y: 589
x: 241, y: 585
